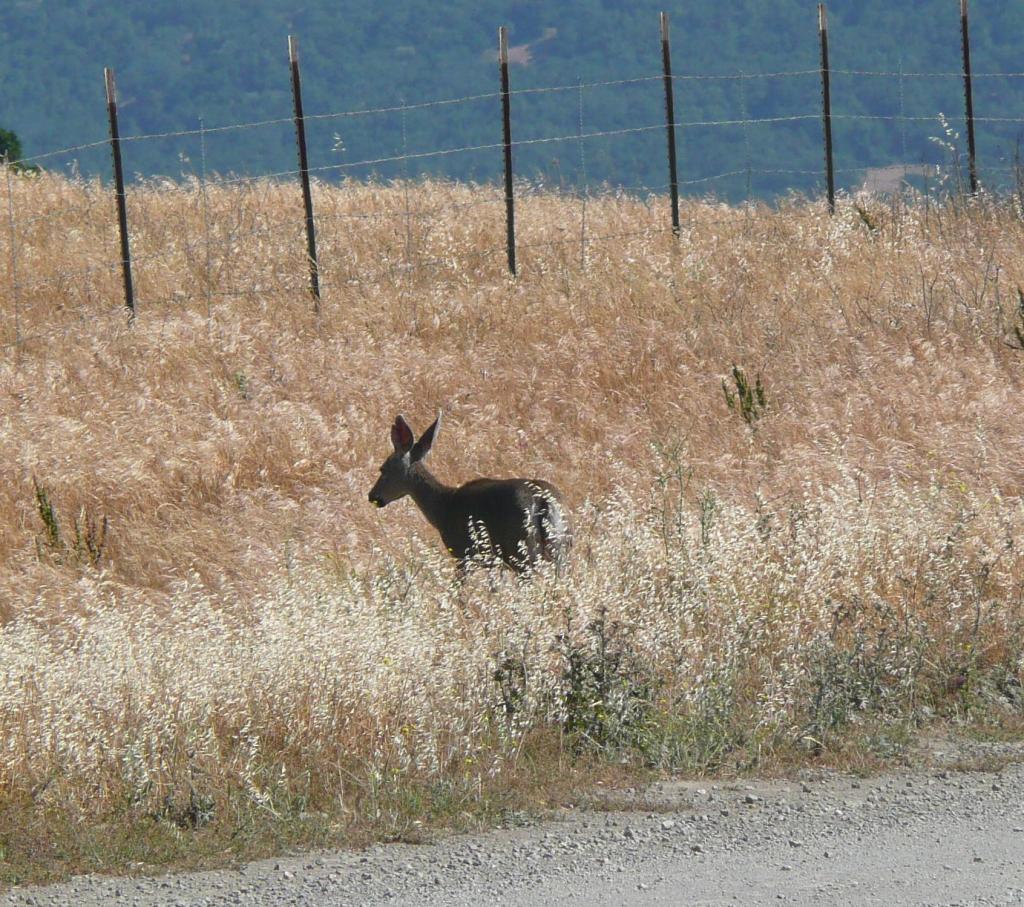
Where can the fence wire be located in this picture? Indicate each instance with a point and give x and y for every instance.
(214, 256)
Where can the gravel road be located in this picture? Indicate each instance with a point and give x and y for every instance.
(928, 836)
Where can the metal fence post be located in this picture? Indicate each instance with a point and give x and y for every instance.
(972, 159)
(670, 122)
(208, 274)
(826, 105)
(307, 195)
(122, 207)
(15, 286)
(506, 117)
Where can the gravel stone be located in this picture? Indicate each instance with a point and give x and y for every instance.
(914, 837)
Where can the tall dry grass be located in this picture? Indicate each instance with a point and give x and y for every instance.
(214, 615)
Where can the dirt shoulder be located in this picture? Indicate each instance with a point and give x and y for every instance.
(949, 831)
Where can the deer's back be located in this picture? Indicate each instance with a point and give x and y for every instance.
(525, 520)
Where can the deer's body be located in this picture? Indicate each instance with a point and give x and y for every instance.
(518, 521)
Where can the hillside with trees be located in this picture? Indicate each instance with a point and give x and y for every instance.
(181, 63)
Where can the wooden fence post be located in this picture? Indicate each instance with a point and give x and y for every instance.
(826, 105)
(506, 118)
(307, 195)
(122, 206)
(670, 122)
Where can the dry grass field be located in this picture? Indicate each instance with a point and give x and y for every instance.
(211, 644)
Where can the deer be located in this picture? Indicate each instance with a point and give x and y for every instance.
(516, 522)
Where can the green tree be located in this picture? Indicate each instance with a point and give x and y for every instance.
(227, 63)
(10, 145)
(10, 150)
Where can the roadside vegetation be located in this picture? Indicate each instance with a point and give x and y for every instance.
(791, 444)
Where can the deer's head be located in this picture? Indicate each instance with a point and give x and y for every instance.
(398, 471)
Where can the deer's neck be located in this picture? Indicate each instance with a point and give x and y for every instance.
(431, 495)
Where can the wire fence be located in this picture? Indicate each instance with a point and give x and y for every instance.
(255, 235)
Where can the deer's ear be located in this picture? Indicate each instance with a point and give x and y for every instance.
(424, 444)
(401, 435)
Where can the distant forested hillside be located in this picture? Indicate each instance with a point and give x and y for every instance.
(227, 64)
